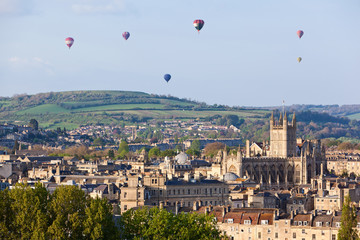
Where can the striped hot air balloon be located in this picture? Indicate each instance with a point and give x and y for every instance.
(126, 35)
(198, 24)
(69, 42)
(300, 33)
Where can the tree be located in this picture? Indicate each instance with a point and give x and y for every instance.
(123, 149)
(347, 229)
(154, 152)
(195, 145)
(99, 222)
(67, 211)
(6, 215)
(111, 154)
(29, 209)
(153, 223)
(99, 142)
(34, 124)
(211, 149)
(16, 146)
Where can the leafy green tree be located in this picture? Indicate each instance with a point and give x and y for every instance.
(152, 223)
(99, 142)
(347, 229)
(67, 211)
(6, 215)
(111, 154)
(123, 149)
(34, 124)
(168, 153)
(154, 152)
(99, 222)
(195, 145)
(193, 152)
(29, 208)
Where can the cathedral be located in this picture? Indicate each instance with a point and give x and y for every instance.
(285, 161)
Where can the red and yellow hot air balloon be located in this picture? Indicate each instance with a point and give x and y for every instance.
(300, 33)
(198, 24)
(69, 42)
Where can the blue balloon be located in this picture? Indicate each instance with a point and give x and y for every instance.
(167, 77)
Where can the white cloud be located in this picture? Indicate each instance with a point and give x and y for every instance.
(34, 63)
(99, 7)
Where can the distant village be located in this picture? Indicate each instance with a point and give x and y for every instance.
(284, 187)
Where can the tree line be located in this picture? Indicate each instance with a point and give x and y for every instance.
(69, 213)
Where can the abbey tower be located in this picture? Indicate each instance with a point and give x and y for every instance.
(282, 137)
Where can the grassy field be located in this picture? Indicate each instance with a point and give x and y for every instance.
(45, 108)
(355, 116)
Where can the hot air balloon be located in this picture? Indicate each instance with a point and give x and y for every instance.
(299, 59)
(167, 77)
(300, 33)
(198, 24)
(126, 35)
(69, 42)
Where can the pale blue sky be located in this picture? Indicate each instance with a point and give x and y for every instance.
(245, 55)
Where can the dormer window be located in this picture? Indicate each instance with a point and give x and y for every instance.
(295, 223)
(230, 220)
(305, 223)
(248, 222)
(337, 224)
(319, 224)
(264, 222)
(300, 223)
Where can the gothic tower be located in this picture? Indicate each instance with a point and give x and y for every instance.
(282, 137)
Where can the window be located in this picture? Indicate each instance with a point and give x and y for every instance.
(286, 231)
(327, 224)
(248, 222)
(160, 192)
(294, 235)
(322, 232)
(249, 230)
(125, 194)
(264, 222)
(179, 191)
(313, 236)
(189, 191)
(125, 207)
(139, 194)
(303, 231)
(259, 234)
(269, 230)
(230, 220)
(276, 235)
(299, 223)
(300, 202)
(295, 223)
(276, 224)
(337, 224)
(286, 222)
(169, 192)
(333, 237)
(305, 223)
(318, 224)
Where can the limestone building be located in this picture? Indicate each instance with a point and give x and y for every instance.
(286, 162)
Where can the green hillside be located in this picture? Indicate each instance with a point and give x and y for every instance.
(75, 108)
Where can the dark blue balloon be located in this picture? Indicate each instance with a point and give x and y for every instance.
(167, 77)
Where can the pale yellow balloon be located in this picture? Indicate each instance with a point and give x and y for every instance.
(299, 59)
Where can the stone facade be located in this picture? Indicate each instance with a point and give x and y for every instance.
(287, 163)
